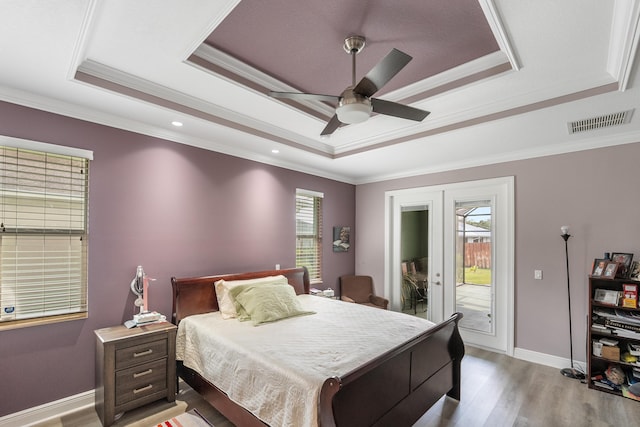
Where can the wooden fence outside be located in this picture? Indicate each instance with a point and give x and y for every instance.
(477, 254)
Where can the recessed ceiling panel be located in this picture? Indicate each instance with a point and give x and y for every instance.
(300, 42)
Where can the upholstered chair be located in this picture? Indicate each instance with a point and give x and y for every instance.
(360, 290)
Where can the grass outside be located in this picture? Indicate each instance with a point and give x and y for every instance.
(479, 276)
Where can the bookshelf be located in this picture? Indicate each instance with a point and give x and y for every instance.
(613, 328)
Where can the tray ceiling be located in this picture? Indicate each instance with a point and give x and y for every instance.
(502, 79)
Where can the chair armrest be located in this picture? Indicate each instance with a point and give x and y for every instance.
(379, 301)
(347, 299)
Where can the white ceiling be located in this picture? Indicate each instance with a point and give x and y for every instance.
(139, 65)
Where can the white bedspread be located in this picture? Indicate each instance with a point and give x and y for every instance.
(276, 370)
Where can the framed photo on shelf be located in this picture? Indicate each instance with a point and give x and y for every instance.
(625, 262)
(610, 270)
(634, 272)
(598, 267)
(606, 296)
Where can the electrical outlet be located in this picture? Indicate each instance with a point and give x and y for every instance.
(537, 274)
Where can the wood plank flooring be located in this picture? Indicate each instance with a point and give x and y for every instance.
(497, 390)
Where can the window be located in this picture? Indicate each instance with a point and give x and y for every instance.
(43, 234)
(309, 233)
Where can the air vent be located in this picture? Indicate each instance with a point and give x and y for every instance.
(605, 121)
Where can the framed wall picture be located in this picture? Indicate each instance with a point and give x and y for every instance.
(341, 238)
(598, 267)
(624, 259)
(610, 270)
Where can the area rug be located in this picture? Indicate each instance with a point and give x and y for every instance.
(188, 419)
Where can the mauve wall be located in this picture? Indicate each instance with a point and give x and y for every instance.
(594, 192)
(175, 210)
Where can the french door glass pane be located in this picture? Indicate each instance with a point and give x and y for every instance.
(474, 267)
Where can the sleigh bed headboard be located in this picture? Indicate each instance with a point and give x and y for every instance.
(197, 295)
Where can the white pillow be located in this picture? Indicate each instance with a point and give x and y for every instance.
(226, 303)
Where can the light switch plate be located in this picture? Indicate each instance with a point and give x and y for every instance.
(537, 274)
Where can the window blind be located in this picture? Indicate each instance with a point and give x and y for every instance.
(43, 234)
(309, 233)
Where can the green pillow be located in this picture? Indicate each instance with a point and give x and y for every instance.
(241, 313)
(267, 303)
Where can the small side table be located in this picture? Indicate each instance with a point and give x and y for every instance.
(134, 367)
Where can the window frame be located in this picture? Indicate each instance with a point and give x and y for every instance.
(26, 228)
(302, 258)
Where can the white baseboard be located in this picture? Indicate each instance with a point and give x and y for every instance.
(547, 359)
(56, 409)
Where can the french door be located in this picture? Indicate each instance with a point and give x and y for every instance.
(465, 255)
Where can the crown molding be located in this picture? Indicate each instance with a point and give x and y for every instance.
(125, 84)
(74, 111)
(211, 58)
(452, 79)
(623, 46)
(499, 32)
(547, 150)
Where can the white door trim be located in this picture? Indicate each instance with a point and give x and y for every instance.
(392, 246)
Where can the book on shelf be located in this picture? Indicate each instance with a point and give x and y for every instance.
(629, 295)
(608, 341)
(624, 333)
(622, 325)
(602, 385)
(628, 316)
(634, 349)
(601, 381)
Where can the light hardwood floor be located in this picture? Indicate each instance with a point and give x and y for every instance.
(497, 390)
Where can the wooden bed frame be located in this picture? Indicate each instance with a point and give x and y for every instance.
(394, 389)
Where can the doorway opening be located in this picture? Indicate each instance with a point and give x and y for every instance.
(414, 252)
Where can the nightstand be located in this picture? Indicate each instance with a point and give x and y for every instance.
(134, 367)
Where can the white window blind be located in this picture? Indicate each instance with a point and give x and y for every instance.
(309, 233)
(43, 234)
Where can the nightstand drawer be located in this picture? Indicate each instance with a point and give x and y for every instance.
(141, 353)
(141, 381)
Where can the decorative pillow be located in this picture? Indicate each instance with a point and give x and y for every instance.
(268, 303)
(226, 303)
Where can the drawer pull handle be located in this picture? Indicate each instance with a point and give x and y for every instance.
(143, 373)
(143, 353)
(141, 389)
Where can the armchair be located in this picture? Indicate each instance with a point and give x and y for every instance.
(360, 290)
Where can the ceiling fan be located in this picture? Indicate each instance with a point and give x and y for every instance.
(355, 104)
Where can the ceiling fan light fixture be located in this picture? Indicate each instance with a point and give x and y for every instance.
(353, 108)
(353, 113)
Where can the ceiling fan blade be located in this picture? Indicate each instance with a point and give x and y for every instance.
(305, 96)
(331, 126)
(382, 72)
(389, 108)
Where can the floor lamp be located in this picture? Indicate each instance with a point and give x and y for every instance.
(569, 372)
